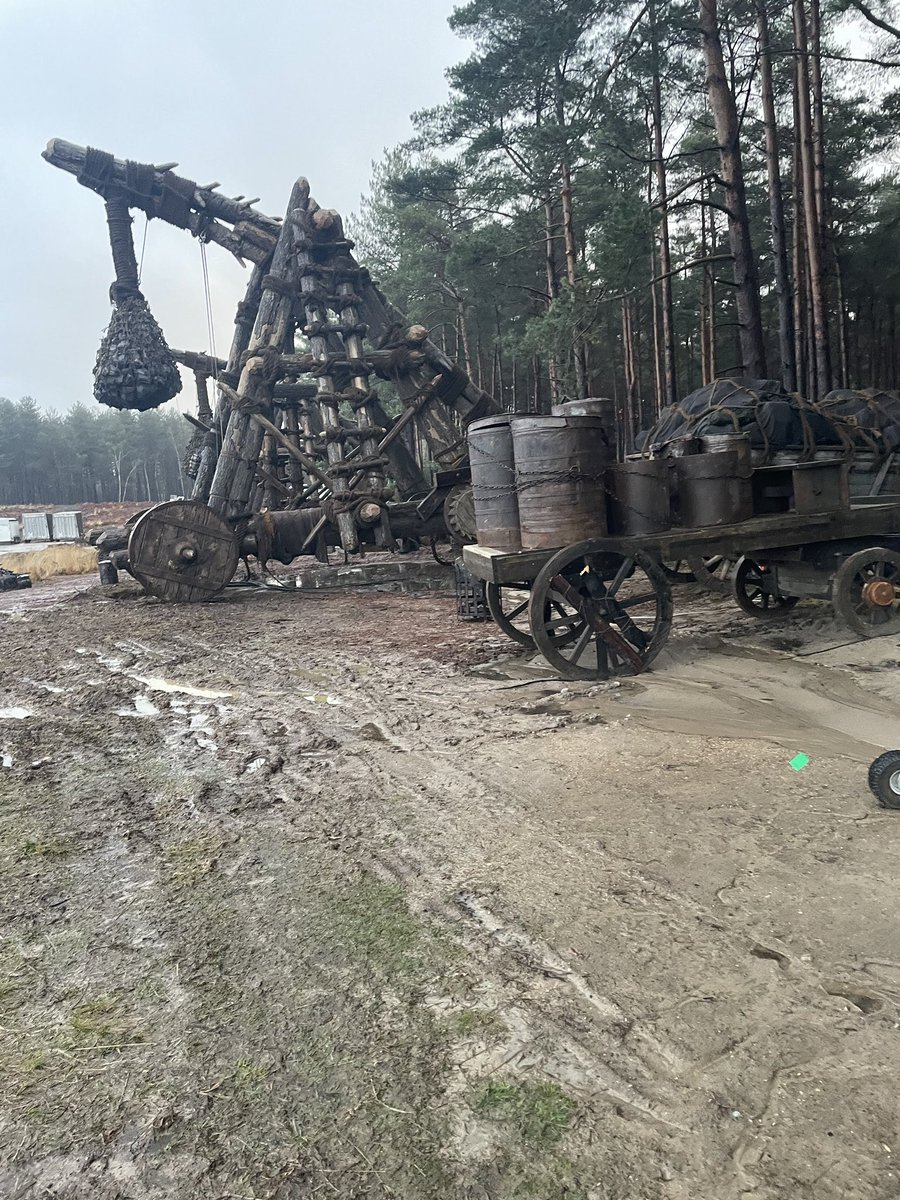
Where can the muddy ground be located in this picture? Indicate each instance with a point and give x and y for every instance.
(328, 895)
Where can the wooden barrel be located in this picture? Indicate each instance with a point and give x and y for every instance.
(639, 500)
(592, 406)
(560, 465)
(494, 483)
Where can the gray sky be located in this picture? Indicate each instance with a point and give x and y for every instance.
(228, 91)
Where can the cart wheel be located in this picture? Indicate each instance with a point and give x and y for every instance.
(448, 558)
(678, 570)
(713, 572)
(620, 607)
(865, 593)
(884, 779)
(508, 605)
(752, 592)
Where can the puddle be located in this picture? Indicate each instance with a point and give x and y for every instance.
(200, 728)
(6, 760)
(157, 684)
(16, 713)
(143, 707)
(46, 687)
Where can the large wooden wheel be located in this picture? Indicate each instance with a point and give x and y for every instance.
(621, 608)
(865, 593)
(755, 592)
(182, 551)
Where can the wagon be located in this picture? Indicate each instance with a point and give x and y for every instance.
(603, 607)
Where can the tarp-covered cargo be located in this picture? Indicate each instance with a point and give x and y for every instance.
(777, 420)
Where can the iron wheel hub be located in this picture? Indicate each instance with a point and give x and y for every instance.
(879, 593)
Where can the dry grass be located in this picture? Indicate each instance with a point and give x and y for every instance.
(54, 560)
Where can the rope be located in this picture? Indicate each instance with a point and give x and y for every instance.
(210, 323)
(143, 248)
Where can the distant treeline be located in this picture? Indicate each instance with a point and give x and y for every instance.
(89, 454)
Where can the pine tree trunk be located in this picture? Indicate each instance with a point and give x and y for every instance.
(552, 292)
(746, 280)
(570, 248)
(654, 306)
(798, 249)
(667, 310)
(843, 342)
(703, 322)
(820, 383)
(776, 206)
(713, 334)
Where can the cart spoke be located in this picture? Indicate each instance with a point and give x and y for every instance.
(633, 601)
(620, 576)
(579, 647)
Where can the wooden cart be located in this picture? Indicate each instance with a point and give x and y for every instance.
(604, 607)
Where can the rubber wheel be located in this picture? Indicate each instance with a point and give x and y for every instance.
(713, 572)
(508, 604)
(624, 606)
(751, 595)
(853, 582)
(884, 779)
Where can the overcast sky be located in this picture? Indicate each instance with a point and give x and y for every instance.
(251, 95)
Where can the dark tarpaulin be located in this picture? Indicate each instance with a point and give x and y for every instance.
(777, 420)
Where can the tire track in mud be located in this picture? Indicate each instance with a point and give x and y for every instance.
(409, 775)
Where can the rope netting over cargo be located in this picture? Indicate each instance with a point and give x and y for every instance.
(776, 420)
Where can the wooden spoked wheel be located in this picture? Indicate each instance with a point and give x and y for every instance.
(754, 591)
(678, 570)
(508, 604)
(865, 593)
(620, 606)
(712, 571)
(182, 551)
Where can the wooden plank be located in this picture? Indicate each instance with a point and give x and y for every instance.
(493, 566)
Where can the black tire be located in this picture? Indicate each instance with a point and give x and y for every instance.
(884, 779)
(852, 596)
(623, 606)
(751, 594)
(713, 572)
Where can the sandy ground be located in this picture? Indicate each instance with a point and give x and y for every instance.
(329, 895)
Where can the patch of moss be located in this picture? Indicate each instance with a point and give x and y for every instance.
(52, 847)
(540, 1112)
(247, 1076)
(190, 861)
(469, 1021)
(101, 1022)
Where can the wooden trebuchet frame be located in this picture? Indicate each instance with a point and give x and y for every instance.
(299, 449)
